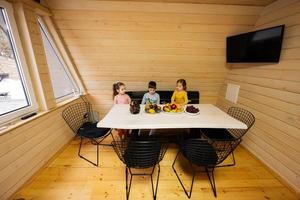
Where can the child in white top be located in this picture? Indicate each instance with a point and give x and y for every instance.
(151, 96)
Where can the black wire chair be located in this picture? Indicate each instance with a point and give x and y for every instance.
(204, 153)
(79, 118)
(140, 153)
(231, 134)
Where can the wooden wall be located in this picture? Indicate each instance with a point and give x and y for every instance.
(272, 93)
(27, 146)
(136, 42)
(26, 149)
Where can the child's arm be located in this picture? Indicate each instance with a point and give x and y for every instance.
(115, 100)
(173, 97)
(186, 100)
(129, 99)
(144, 99)
(158, 99)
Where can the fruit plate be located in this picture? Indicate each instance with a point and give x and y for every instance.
(173, 113)
(190, 113)
(156, 112)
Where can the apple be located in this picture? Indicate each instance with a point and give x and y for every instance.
(173, 106)
(166, 109)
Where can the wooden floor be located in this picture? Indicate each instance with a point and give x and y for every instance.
(69, 177)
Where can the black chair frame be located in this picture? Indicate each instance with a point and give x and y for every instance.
(223, 151)
(76, 115)
(208, 170)
(242, 115)
(129, 174)
(97, 144)
(140, 162)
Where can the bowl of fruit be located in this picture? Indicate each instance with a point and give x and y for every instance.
(172, 108)
(152, 108)
(192, 110)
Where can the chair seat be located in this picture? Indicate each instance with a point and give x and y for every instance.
(90, 130)
(217, 133)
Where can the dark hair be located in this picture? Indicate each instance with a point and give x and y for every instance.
(116, 87)
(152, 84)
(183, 83)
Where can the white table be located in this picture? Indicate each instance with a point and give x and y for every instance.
(210, 117)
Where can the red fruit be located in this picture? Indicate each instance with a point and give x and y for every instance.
(173, 106)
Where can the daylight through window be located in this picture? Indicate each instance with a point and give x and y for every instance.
(63, 83)
(16, 97)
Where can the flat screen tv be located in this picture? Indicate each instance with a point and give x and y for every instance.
(257, 46)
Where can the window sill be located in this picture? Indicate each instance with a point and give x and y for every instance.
(19, 123)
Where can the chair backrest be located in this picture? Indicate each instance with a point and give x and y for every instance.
(207, 152)
(76, 115)
(199, 151)
(141, 153)
(244, 116)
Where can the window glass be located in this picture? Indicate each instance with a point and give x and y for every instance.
(13, 94)
(62, 82)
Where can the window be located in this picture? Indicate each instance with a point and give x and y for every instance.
(63, 83)
(16, 93)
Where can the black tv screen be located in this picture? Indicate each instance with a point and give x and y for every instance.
(257, 46)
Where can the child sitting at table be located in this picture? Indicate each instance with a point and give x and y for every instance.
(120, 97)
(151, 96)
(179, 96)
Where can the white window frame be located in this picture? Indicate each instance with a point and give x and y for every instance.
(22, 67)
(45, 29)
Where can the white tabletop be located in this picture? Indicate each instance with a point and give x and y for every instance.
(210, 117)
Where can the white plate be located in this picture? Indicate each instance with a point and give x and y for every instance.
(193, 114)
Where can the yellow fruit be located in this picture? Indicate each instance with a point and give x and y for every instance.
(152, 111)
(179, 109)
(167, 109)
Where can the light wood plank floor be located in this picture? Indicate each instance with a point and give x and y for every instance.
(69, 177)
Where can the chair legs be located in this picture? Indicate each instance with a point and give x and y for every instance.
(81, 156)
(97, 143)
(229, 165)
(128, 186)
(129, 176)
(210, 174)
(188, 194)
(211, 178)
(154, 191)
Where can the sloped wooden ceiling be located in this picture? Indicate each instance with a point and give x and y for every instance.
(222, 2)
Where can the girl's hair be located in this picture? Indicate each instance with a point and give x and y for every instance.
(116, 87)
(152, 85)
(183, 83)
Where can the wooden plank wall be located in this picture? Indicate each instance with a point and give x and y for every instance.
(136, 42)
(26, 148)
(272, 93)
